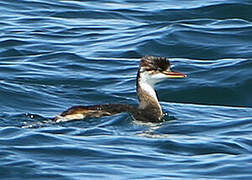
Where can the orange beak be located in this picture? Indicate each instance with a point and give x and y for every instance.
(173, 74)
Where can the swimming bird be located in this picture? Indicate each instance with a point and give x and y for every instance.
(151, 70)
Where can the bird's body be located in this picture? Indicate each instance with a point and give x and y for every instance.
(151, 70)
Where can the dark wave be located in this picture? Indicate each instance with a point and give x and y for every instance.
(56, 54)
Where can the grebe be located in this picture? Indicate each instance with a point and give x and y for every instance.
(151, 70)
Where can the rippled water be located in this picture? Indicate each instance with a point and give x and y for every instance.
(55, 54)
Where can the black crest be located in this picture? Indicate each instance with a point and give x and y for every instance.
(153, 63)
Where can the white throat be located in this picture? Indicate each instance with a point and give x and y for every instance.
(146, 92)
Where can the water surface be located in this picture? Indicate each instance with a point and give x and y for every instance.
(55, 54)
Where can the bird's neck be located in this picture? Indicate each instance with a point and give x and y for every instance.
(148, 100)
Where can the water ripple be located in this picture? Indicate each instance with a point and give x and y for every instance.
(55, 54)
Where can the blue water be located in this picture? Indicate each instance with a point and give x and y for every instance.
(55, 54)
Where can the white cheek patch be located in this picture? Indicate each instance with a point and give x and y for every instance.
(151, 77)
(158, 77)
